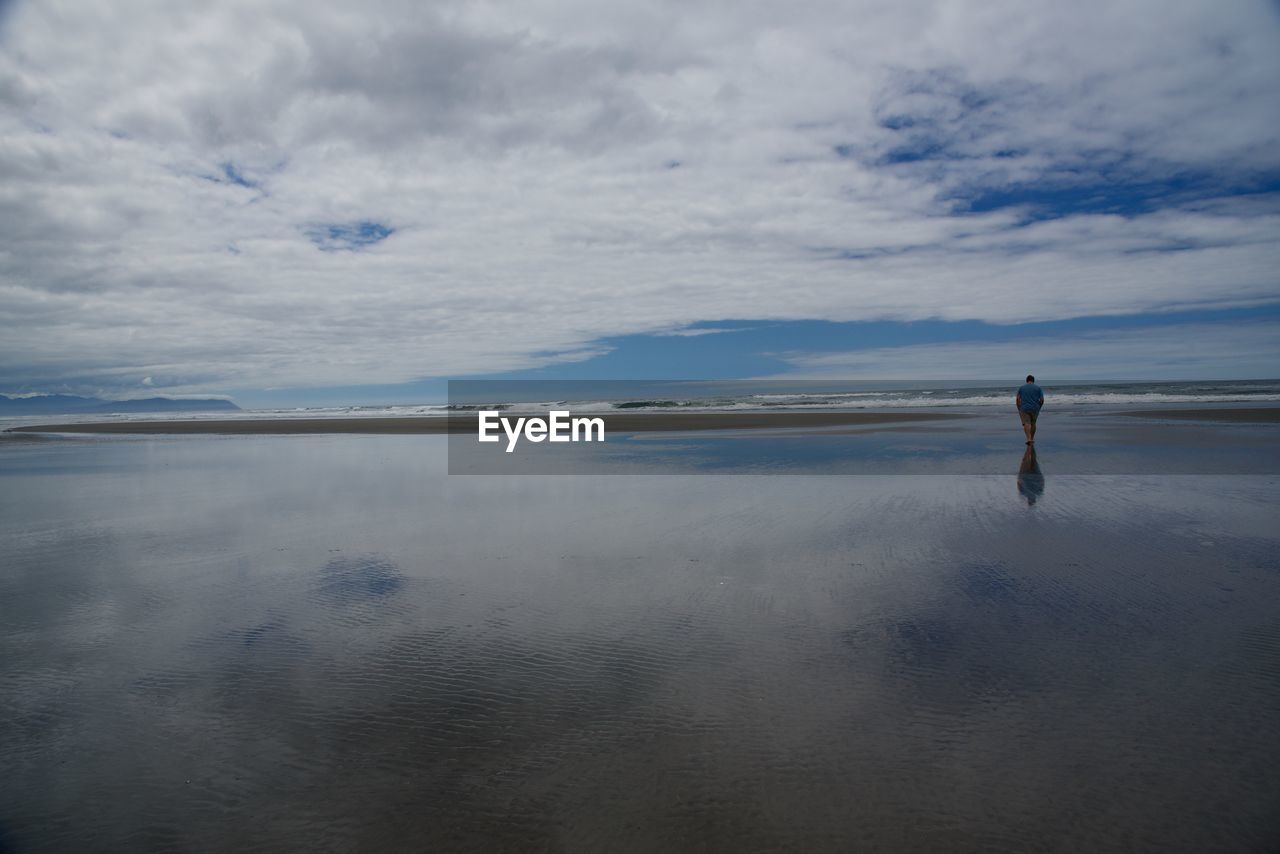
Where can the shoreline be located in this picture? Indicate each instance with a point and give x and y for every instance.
(418, 425)
(615, 422)
(1243, 415)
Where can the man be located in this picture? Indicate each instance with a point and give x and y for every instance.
(1030, 398)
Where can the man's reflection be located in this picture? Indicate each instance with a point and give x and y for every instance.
(1030, 479)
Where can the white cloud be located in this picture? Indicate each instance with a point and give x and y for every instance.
(556, 172)
(698, 333)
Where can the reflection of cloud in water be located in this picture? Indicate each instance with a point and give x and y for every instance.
(804, 664)
(965, 647)
(348, 580)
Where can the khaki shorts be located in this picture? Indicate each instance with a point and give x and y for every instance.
(1028, 417)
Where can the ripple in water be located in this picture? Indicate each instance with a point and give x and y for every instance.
(326, 644)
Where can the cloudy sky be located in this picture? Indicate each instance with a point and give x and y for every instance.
(296, 200)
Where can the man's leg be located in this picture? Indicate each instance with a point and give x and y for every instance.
(1026, 425)
(1031, 429)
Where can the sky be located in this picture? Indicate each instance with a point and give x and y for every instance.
(310, 203)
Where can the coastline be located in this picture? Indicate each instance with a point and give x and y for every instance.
(615, 422)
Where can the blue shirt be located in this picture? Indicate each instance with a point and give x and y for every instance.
(1031, 396)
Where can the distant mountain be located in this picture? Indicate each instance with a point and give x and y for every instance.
(48, 403)
(68, 404)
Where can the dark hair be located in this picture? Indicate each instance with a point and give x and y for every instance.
(1030, 378)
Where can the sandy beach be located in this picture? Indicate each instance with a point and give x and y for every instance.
(971, 645)
(614, 422)
(1242, 415)
(289, 628)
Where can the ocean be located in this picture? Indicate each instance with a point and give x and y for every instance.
(745, 395)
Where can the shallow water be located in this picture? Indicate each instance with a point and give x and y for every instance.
(972, 442)
(324, 642)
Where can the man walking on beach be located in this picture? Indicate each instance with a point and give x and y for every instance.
(1030, 398)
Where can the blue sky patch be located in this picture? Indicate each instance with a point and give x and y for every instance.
(737, 349)
(234, 176)
(746, 349)
(348, 237)
(1095, 194)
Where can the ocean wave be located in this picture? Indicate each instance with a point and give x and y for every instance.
(935, 398)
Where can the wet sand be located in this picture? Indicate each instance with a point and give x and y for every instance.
(1250, 415)
(634, 422)
(325, 643)
(614, 423)
(1084, 440)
